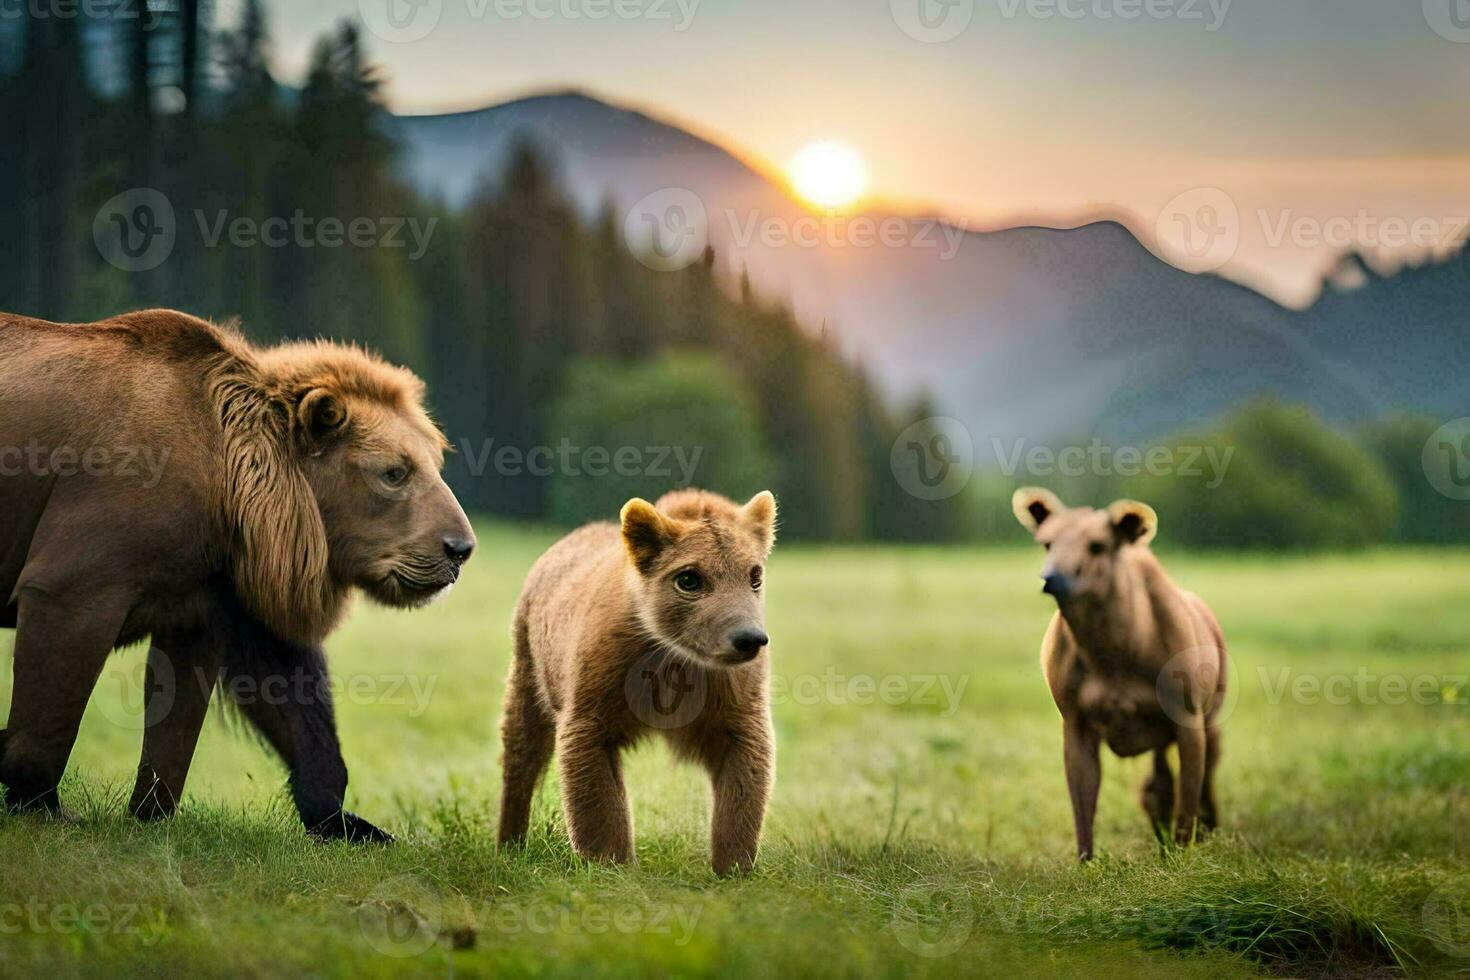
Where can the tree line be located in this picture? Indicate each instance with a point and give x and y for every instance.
(567, 374)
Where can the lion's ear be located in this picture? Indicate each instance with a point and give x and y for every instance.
(320, 416)
(646, 532)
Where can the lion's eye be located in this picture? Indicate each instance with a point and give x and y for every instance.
(756, 577)
(1096, 548)
(396, 476)
(688, 581)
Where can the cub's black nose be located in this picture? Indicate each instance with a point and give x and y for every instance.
(459, 549)
(748, 642)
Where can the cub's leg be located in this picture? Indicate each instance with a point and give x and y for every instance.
(596, 806)
(1192, 756)
(1209, 817)
(527, 735)
(283, 690)
(1080, 746)
(742, 766)
(1158, 795)
(183, 669)
(60, 647)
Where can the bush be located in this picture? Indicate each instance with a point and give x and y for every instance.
(1290, 483)
(1425, 516)
(684, 417)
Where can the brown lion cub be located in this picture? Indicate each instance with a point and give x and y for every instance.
(657, 625)
(1131, 659)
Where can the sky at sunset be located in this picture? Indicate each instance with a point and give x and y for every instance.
(1317, 119)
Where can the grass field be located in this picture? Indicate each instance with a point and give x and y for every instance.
(919, 825)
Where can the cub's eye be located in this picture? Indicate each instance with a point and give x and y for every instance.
(688, 581)
(1096, 548)
(756, 577)
(1047, 546)
(396, 476)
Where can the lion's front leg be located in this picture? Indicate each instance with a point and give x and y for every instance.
(182, 670)
(283, 690)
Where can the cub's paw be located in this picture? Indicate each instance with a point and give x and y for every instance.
(351, 828)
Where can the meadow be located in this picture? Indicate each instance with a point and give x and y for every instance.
(920, 823)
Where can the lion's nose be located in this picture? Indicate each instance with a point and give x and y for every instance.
(459, 549)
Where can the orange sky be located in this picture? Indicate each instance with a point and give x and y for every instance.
(1311, 116)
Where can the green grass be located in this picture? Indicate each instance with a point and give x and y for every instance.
(919, 833)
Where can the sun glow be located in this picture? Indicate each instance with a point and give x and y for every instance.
(829, 175)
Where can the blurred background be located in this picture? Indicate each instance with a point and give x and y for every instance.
(1230, 281)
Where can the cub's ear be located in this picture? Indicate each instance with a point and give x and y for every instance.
(1133, 522)
(1033, 505)
(759, 514)
(646, 532)
(320, 416)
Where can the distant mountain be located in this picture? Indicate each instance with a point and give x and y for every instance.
(1040, 333)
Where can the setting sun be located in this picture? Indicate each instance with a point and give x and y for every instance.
(829, 174)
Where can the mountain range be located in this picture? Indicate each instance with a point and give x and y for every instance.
(1038, 333)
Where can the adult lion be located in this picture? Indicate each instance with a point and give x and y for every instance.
(161, 477)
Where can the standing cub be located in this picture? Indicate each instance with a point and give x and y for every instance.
(1131, 659)
(657, 625)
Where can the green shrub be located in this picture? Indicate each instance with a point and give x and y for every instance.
(1425, 516)
(1290, 483)
(685, 418)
